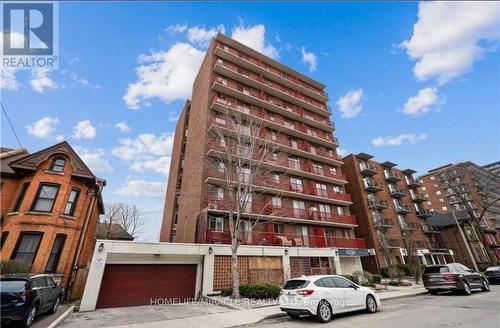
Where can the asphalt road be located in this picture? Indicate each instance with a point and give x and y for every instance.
(481, 309)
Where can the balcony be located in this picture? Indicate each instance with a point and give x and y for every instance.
(410, 226)
(423, 213)
(437, 247)
(270, 72)
(413, 183)
(393, 243)
(429, 229)
(397, 192)
(392, 176)
(269, 211)
(418, 197)
(254, 80)
(377, 204)
(373, 186)
(282, 239)
(258, 98)
(403, 209)
(383, 223)
(367, 169)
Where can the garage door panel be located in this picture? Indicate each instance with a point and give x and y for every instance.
(128, 285)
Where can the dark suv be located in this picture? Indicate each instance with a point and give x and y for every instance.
(24, 297)
(453, 277)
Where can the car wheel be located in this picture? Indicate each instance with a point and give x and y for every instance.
(55, 306)
(485, 287)
(293, 315)
(466, 290)
(371, 304)
(30, 316)
(324, 313)
(433, 292)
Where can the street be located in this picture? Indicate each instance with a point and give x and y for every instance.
(481, 309)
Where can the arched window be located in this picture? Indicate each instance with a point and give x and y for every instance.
(58, 165)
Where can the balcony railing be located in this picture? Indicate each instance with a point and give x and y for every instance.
(392, 176)
(384, 223)
(280, 75)
(418, 198)
(393, 243)
(373, 186)
(272, 102)
(397, 192)
(377, 204)
(410, 226)
(259, 209)
(413, 183)
(367, 169)
(429, 229)
(403, 209)
(272, 87)
(283, 239)
(423, 213)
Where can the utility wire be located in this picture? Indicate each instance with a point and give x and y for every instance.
(11, 126)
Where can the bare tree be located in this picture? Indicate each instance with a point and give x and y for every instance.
(468, 175)
(411, 248)
(243, 163)
(127, 216)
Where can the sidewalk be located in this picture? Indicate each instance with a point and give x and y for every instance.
(246, 317)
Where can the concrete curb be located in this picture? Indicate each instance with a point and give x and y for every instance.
(62, 317)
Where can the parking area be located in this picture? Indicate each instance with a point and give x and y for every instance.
(140, 314)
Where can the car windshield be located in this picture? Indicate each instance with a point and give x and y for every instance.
(436, 269)
(9, 286)
(295, 284)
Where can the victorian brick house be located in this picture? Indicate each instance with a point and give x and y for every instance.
(50, 204)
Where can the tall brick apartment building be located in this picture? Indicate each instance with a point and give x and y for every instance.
(476, 184)
(307, 204)
(386, 201)
(50, 206)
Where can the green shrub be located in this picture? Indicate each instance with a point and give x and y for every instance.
(351, 278)
(384, 272)
(368, 276)
(13, 266)
(404, 269)
(255, 291)
(376, 279)
(394, 283)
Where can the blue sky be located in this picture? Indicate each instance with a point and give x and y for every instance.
(403, 85)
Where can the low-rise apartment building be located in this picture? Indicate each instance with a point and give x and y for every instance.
(387, 201)
(50, 206)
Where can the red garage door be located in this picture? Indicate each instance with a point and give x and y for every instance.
(137, 284)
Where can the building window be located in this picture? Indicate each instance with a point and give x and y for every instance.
(220, 193)
(20, 198)
(27, 247)
(296, 184)
(438, 192)
(58, 165)
(217, 224)
(45, 198)
(71, 204)
(329, 232)
(276, 201)
(55, 253)
(444, 208)
(5, 234)
(278, 228)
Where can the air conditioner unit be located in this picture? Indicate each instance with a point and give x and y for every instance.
(212, 206)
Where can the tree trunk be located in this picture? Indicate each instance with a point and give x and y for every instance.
(234, 269)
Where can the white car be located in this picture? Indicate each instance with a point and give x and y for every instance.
(324, 296)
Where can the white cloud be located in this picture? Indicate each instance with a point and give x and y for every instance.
(123, 127)
(8, 79)
(167, 75)
(422, 102)
(43, 128)
(84, 130)
(254, 37)
(160, 165)
(202, 36)
(145, 146)
(60, 137)
(177, 28)
(142, 188)
(75, 77)
(342, 152)
(310, 59)
(350, 104)
(450, 36)
(398, 140)
(95, 159)
(40, 80)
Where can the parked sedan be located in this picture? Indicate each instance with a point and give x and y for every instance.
(453, 277)
(23, 298)
(324, 296)
(493, 274)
